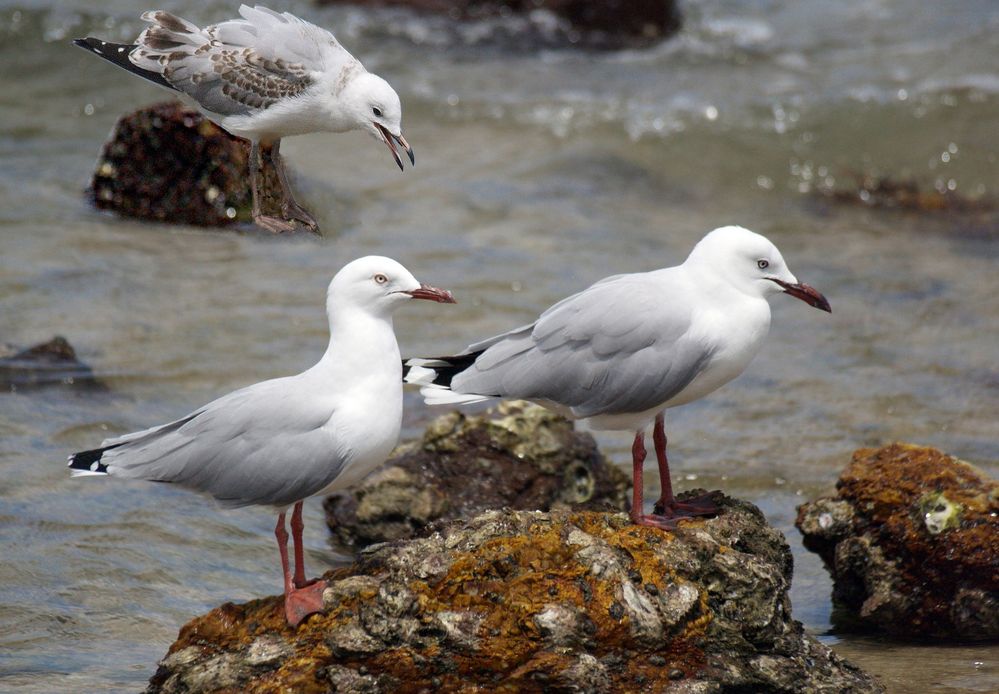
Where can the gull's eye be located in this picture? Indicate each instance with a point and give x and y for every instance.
(762, 264)
(380, 278)
(377, 111)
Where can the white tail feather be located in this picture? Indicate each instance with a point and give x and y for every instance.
(439, 395)
(86, 473)
(420, 375)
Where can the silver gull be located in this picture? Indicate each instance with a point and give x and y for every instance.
(281, 441)
(621, 352)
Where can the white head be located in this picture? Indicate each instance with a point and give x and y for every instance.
(372, 105)
(378, 285)
(751, 264)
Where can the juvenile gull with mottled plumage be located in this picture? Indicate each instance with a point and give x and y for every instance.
(266, 76)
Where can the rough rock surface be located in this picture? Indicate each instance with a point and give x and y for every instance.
(517, 455)
(912, 543)
(48, 363)
(596, 23)
(526, 601)
(167, 162)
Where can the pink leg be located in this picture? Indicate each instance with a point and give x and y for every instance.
(299, 602)
(637, 504)
(668, 506)
(259, 153)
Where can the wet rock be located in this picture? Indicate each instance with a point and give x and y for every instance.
(912, 542)
(596, 23)
(517, 455)
(527, 601)
(167, 162)
(45, 364)
(904, 194)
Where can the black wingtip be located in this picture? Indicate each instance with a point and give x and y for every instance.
(82, 43)
(90, 461)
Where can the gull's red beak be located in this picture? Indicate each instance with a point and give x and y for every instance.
(810, 295)
(391, 140)
(425, 291)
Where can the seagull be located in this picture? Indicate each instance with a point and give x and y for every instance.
(278, 442)
(264, 77)
(621, 352)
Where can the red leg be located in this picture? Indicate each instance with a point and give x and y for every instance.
(638, 454)
(659, 439)
(299, 602)
(296, 535)
(668, 506)
(282, 539)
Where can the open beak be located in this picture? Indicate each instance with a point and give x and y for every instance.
(810, 295)
(391, 141)
(425, 291)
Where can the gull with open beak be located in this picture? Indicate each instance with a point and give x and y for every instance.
(264, 77)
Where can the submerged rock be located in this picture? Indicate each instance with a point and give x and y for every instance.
(169, 163)
(47, 363)
(912, 542)
(526, 601)
(517, 455)
(596, 23)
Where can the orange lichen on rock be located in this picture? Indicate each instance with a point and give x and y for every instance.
(912, 540)
(526, 601)
(516, 455)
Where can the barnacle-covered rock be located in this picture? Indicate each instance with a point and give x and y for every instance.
(912, 542)
(527, 601)
(516, 455)
(168, 163)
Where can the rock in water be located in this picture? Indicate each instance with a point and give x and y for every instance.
(169, 163)
(595, 23)
(517, 455)
(912, 542)
(45, 364)
(526, 601)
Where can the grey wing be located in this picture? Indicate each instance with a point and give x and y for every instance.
(242, 65)
(619, 346)
(237, 448)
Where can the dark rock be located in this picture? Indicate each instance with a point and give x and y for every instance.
(169, 163)
(517, 455)
(597, 23)
(912, 543)
(45, 364)
(423, 615)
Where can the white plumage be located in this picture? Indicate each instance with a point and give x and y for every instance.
(281, 441)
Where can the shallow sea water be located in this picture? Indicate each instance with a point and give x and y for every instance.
(538, 171)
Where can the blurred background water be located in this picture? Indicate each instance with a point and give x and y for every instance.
(539, 171)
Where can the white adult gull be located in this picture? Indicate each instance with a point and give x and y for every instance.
(281, 441)
(264, 77)
(621, 352)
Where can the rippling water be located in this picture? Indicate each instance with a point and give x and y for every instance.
(539, 171)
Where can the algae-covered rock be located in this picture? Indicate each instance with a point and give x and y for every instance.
(912, 543)
(517, 455)
(45, 364)
(169, 163)
(526, 601)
